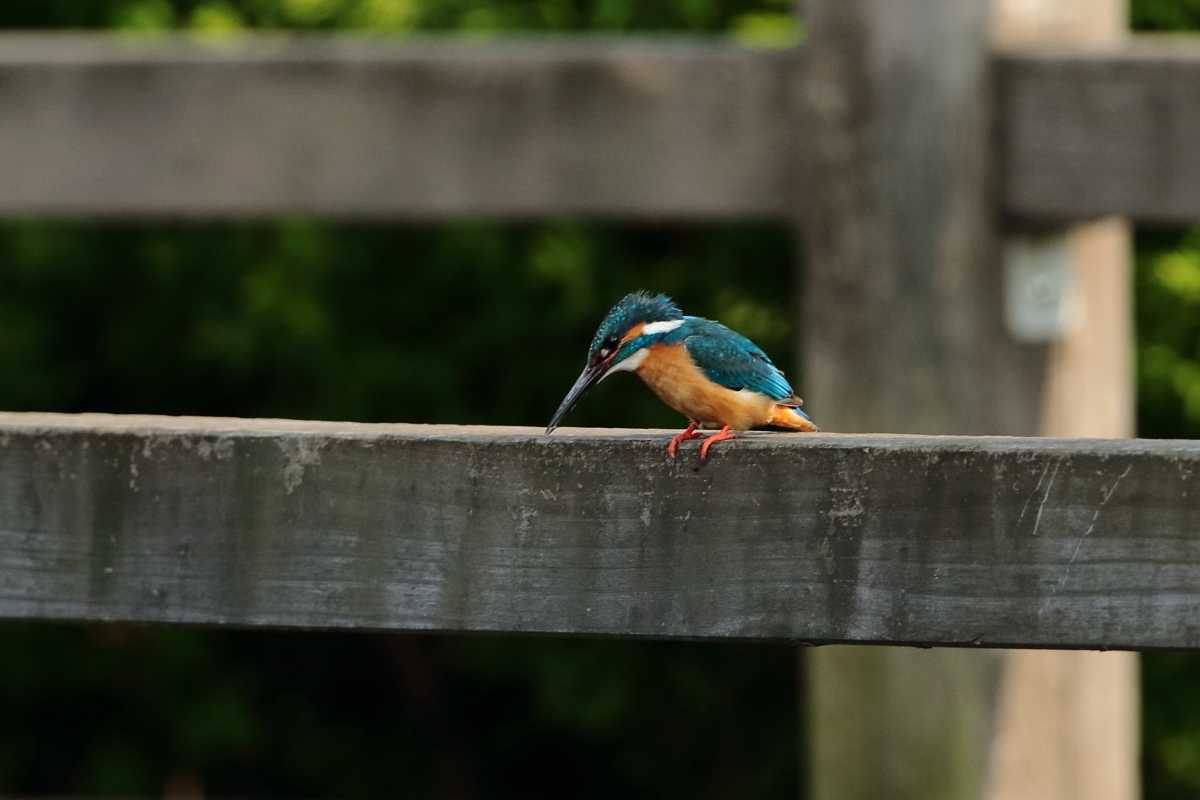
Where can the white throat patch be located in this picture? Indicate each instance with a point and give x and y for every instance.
(661, 327)
(631, 363)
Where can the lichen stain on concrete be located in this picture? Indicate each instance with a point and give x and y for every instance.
(845, 518)
(523, 516)
(1184, 469)
(852, 506)
(133, 470)
(300, 452)
(220, 448)
(867, 465)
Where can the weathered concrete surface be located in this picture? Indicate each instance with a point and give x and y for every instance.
(823, 538)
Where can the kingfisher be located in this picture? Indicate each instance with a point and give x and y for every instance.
(697, 366)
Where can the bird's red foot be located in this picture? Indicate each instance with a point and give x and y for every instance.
(690, 433)
(719, 436)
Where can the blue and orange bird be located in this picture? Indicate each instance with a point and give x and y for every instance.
(698, 367)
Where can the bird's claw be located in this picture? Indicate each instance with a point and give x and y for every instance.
(719, 436)
(690, 433)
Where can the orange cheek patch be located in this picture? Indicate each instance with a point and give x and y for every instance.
(633, 332)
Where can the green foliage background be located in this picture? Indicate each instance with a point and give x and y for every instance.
(462, 322)
(1168, 332)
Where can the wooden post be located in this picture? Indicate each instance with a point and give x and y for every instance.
(1068, 721)
(903, 322)
(903, 332)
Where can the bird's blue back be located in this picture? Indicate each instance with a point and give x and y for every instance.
(728, 358)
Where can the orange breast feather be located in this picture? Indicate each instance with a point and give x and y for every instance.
(672, 375)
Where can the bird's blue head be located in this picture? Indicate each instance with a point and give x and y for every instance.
(618, 336)
(620, 342)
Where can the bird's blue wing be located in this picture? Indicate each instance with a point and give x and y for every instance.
(733, 361)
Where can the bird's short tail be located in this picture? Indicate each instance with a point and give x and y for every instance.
(792, 417)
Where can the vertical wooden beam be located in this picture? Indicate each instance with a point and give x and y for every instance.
(1067, 727)
(1069, 722)
(888, 722)
(1089, 388)
(903, 326)
(903, 331)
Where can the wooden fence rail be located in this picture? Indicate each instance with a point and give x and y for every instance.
(1087, 134)
(989, 541)
(106, 126)
(363, 128)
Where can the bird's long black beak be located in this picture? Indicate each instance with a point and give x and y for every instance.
(590, 376)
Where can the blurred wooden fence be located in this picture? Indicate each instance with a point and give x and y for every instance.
(680, 128)
(910, 154)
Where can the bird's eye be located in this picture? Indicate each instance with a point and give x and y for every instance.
(607, 347)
